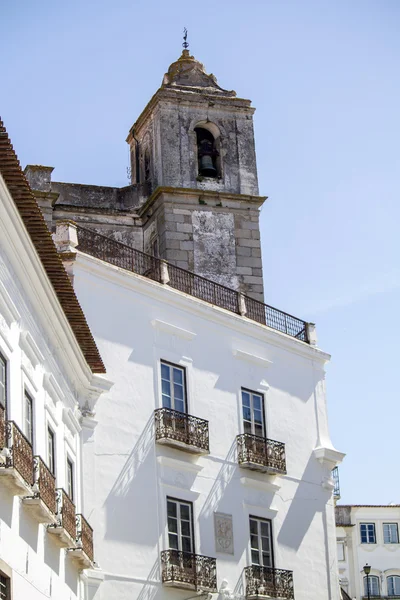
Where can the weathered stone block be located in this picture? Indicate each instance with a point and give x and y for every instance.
(245, 242)
(241, 233)
(250, 225)
(184, 227)
(240, 251)
(186, 245)
(256, 252)
(177, 255)
(177, 236)
(244, 271)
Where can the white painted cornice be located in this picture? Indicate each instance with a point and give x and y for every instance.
(328, 457)
(23, 257)
(167, 295)
(178, 465)
(71, 421)
(51, 386)
(173, 329)
(251, 358)
(269, 484)
(7, 306)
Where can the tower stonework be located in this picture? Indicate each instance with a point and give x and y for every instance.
(193, 198)
(206, 224)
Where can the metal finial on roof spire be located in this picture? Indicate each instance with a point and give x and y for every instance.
(185, 42)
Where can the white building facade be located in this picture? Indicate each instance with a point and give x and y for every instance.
(46, 377)
(369, 535)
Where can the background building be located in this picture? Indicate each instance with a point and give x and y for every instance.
(369, 535)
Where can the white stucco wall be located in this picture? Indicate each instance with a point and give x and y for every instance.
(384, 559)
(38, 360)
(136, 323)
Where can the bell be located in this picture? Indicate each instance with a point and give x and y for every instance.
(207, 168)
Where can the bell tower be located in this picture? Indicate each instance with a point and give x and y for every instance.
(193, 146)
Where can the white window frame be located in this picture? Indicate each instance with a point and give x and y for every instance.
(372, 579)
(390, 525)
(51, 460)
(253, 393)
(341, 554)
(3, 381)
(29, 420)
(259, 521)
(366, 524)
(396, 585)
(179, 503)
(171, 368)
(69, 461)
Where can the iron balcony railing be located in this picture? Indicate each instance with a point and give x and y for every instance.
(19, 453)
(84, 536)
(261, 452)
(181, 427)
(2, 427)
(45, 484)
(65, 513)
(128, 258)
(268, 581)
(185, 569)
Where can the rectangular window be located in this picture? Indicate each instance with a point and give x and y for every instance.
(5, 593)
(180, 525)
(253, 413)
(51, 450)
(367, 532)
(261, 542)
(29, 417)
(70, 479)
(340, 551)
(372, 582)
(173, 387)
(3, 381)
(390, 533)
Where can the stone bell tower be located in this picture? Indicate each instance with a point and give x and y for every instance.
(193, 145)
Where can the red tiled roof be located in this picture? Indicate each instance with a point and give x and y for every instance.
(35, 224)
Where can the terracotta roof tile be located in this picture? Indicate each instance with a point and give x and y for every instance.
(35, 224)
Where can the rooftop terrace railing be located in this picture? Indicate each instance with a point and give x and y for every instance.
(126, 257)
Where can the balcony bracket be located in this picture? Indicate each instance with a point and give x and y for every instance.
(14, 481)
(80, 558)
(39, 510)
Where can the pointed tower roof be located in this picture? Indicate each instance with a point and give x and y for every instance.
(188, 74)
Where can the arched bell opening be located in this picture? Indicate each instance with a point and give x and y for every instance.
(208, 157)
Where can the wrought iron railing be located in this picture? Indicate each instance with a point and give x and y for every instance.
(181, 427)
(2, 427)
(336, 487)
(267, 581)
(65, 513)
(159, 270)
(196, 571)
(20, 454)
(84, 536)
(46, 484)
(261, 451)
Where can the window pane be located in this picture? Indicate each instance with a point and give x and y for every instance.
(258, 416)
(264, 528)
(178, 376)
(266, 558)
(393, 584)
(171, 509)
(172, 525)
(173, 541)
(185, 528)
(340, 550)
(254, 541)
(257, 402)
(178, 392)
(246, 413)
(185, 512)
(253, 526)
(186, 544)
(179, 405)
(245, 398)
(255, 558)
(165, 374)
(165, 387)
(2, 381)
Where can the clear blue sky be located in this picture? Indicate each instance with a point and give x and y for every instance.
(324, 77)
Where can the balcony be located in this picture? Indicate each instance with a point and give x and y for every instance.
(177, 429)
(83, 552)
(65, 525)
(188, 571)
(268, 582)
(261, 454)
(16, 458)
(42, 503)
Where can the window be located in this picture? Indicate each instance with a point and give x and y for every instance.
(367, 531)
(70, 479)
(253, 413)
(173, 387)
(373, 581)
(340, 550)
(51, 450)
(154, 247)
(261, 542)
(390, 533)
(180, 525)
(208, 155)
(393, 585)
(29, 417)
(3, 381)
(4, 587)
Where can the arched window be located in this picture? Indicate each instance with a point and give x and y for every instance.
(373, 585)
(393, 585)
(207, 153)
